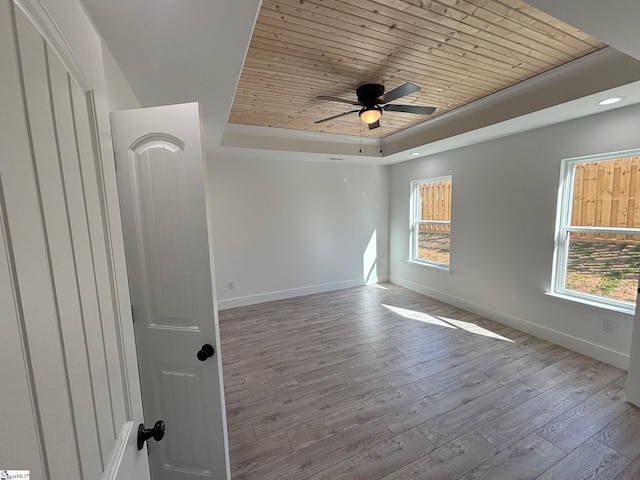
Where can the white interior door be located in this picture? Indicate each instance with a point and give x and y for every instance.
(162, 183)
(70, 398)
(632, 388)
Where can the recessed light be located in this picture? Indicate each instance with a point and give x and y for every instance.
(415, 154)
(611, 101)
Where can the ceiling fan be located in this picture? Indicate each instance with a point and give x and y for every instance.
(374, 101)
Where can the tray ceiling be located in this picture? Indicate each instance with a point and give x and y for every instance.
(457, 51)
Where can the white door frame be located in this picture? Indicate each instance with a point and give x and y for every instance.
(88, 72)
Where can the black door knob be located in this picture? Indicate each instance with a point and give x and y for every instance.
(144, 434)
(205, 352)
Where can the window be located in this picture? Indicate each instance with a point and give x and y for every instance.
(431, 221)
(597, 251)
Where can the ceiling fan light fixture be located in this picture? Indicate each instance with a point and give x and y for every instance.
(372, 100)
(370, 115)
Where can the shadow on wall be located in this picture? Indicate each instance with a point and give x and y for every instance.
(370, 261)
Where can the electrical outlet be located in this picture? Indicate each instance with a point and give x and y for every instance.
(608, 326)
(231, 285)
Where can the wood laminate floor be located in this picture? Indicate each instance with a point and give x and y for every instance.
(380, 382)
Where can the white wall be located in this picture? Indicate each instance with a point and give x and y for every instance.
(120, 96)
(288, 228)
(503, 218)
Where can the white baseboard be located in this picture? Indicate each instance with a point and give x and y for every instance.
(612, 357)
(293, 292)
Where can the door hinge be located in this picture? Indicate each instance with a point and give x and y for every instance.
(133, 318)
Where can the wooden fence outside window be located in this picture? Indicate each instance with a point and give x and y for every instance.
(435, 205)
(605, 194)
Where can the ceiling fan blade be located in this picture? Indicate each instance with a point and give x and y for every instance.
(398, 92)
(335, 116)
(375, 124)
(410, 109)
(336, 99)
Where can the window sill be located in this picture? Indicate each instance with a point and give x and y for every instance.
(589, 303)
(436, 266)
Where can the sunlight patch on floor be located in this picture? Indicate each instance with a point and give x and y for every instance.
(446, 322)
(420, 316)
(475, 328)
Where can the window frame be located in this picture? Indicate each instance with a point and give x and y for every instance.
(564, 228)
(415, 206)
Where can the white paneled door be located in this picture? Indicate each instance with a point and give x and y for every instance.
(162, 183)
(70, 404)
(632, 388)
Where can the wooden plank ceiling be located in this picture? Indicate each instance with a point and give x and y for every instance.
(457, 51)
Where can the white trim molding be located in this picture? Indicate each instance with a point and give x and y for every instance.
(39, 15)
